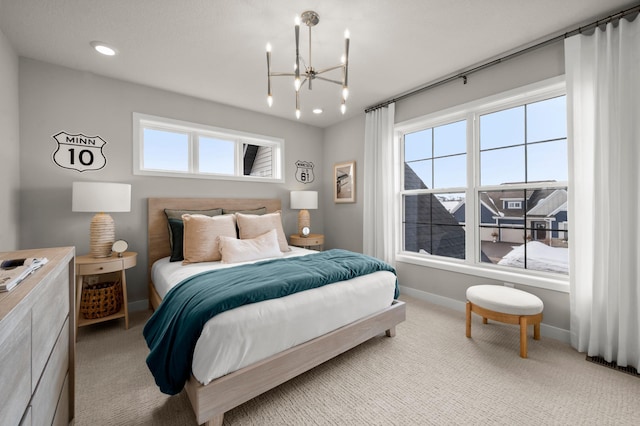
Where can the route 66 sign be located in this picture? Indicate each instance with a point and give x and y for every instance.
(79, 152)
(304, 171)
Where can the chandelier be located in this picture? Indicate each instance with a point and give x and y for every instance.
(308, 73)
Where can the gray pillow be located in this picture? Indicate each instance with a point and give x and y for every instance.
(258, 211)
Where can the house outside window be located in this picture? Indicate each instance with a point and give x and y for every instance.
(167, 147)
(485, 185)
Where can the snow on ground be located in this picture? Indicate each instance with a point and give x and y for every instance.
(540, 257)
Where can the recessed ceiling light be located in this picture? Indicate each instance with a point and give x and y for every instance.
(103, 48)
(317, 111)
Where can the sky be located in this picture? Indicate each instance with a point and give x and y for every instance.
(525, 143)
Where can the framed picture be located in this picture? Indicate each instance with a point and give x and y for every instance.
(344, 177)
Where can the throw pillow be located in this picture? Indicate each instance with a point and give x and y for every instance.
(262, 247)
(251, 226)
(201, 236)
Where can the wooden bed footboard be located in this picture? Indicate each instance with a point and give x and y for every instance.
(210, 402)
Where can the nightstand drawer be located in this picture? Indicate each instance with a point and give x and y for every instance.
(98, 268)
(313, 241)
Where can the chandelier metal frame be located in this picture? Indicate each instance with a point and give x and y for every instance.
(310, 19)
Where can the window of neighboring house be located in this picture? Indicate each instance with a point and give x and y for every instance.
(505, 159)
(166, 147)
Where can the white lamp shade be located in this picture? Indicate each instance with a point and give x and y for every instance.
(307, 200)
(101, 197)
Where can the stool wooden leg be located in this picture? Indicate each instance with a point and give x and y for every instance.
(536, 331)
(523, 337)
(468, 319)
(485, 320)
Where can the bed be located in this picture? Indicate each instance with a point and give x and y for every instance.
(214, 392)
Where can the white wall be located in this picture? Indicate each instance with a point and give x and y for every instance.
(55, 99)
(9, 145)
(349, 136)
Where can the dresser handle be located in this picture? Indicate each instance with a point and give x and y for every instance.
(100, 268)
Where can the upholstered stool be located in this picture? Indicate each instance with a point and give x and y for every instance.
(508, 305)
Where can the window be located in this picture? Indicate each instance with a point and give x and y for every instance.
(166, 147)
(434, 182)
(485, 185)
(512, 205)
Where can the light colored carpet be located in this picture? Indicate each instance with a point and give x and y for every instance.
(429, 374)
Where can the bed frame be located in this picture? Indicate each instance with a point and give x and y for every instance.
(210, 402)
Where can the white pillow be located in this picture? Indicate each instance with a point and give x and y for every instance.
(200, 241)
(251, 226)
(264, 246)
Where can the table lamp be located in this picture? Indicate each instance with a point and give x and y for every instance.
(303, 201)
(100, 198)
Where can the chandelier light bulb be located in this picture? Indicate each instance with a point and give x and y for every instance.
(296, 84)
(296, 21)
(298, 114)
(269, 100)
(347, 34)
(343, 108)
(268, 47)
(345, 93)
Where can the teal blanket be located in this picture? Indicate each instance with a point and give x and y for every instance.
(173, 330)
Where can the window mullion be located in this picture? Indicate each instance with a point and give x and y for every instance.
(471, 218)
(239, 168)
(194, 152)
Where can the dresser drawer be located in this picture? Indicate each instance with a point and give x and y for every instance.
(15, 361)
(26, 419)
(62, 411)
(49, 313)
(45, 398)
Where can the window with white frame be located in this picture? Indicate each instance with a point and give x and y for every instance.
(486, 184)
(512, 204)
(167, 147)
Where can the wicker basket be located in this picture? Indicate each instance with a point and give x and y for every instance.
(101, 300)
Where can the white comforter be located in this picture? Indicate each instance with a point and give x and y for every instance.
(250, 333)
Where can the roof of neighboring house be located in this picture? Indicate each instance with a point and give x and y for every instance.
(538, 202)
(550, 205)
(429, 226)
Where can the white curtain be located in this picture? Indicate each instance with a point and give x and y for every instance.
(603, 98)
(379, 184)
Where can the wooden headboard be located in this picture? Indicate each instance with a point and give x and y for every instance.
(157, 227)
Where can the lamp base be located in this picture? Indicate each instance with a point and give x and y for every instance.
(102, 235)
(304, 219)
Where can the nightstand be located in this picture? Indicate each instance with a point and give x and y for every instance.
(313, 241)
(115, 266)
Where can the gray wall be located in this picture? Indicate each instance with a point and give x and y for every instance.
(344, 226)
(10, 144)
(343, 142)
(54, 99)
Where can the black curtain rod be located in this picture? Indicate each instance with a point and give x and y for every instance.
(463, 74)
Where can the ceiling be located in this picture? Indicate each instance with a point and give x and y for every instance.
(215, 49)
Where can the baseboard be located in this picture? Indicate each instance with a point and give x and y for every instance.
(457, 305)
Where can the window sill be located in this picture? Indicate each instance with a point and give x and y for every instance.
(535, 279)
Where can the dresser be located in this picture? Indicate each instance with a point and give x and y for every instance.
(37, 348)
